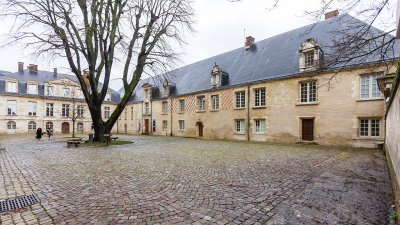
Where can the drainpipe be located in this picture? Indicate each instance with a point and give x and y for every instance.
(248, 113)
(170, 105)
(151, 116)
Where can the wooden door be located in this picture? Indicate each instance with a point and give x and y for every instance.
(65, 128)
(146, 126)
(200, 129)
(307, 129)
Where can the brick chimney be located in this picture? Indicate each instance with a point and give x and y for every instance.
(20, 67)
(249, 42)
(331, 14)
(33, 68)
(55, 72)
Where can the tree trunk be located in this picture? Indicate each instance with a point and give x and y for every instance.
(73, 128)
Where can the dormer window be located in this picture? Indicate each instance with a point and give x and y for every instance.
(165, 88)
(311, 55)
(12, 86)
(66, 92)
(147, 88)
(108, 96)
(218, 77)
(49, 90)
(32, 89)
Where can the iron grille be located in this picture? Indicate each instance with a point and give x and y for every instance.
(18, 203)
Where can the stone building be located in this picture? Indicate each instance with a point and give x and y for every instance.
(276, 90)
(31, 98)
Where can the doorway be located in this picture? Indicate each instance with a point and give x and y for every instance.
(126, 128)
(307, 129)
(65, 128)
(200, 127)
(146, 127)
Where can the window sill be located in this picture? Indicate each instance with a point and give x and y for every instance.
(306, 103)
(369, 138)
(181, 112)
(214, 110)
(237, 133)
(181, 130)
(258, 133)
(32, 115)
(259, 107)
(11, 115)
(200, 111)
(369, 99)
(239, 108)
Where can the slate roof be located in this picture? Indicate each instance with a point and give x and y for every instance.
(41, 77)
(272, 58)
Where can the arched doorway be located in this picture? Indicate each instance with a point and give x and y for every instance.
(200, 128)
(65, 128)
(11, 127)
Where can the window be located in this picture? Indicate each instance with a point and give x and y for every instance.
(154, 125)
(31, 126)
(131, 113)
(369, 87)
(32, 89)
(12, 86)
(49, 125)
(49, 90)
(201, 103)
(308, 91)
(80, 111)
(309, 59)
(260, 125)
(49, 109)
(164, 125)
(32, 107)
(106, 112)
(164, 107)
(11, 107)
(240, 99)
(66, 92)
(126, 113)
(182, 105)
(65, 110)
(79, 127)
(214, 102)
(181, 125)
(108, 97)
(146, 108)
(11, 125)
(239, 126)
(369, 127)
(259, 99)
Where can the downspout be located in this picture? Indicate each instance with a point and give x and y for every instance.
(248, 113)
(170, 105)
(151, 116)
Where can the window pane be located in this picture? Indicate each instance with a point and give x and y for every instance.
(260, 97)
(375, 128)
(375, 89)
(309, 59)
(365, 87)
(364, 128)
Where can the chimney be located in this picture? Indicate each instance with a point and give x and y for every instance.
(55, 72)
(331, 14)
(33, 68)
(20, 67)
(249, 42)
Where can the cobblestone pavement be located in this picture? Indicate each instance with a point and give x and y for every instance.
(166, 180)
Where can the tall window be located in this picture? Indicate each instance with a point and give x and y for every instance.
(32, 89)
(31, 126)
(11, 107)
(214, 102)
(66, 92)
(49, 109)
(309, 59)
(65, 110)
(32, 107)
(12, 86)
(164, 107)
(182, 105)
(164, 125)
(49, 90)
(146, 108)
(11, 125)
(106, 112)
(201, 103)
(240, 98)
(369, 127)
(79, 127)
(80, 111)
(49, 125)
(131, 113)
(369, 87)
(181, 125)
(259, 97)
(308, 91)
(239, 126)
(260, 125)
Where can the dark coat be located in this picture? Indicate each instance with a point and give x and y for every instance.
(39, 133)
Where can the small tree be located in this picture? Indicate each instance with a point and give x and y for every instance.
(95, 35)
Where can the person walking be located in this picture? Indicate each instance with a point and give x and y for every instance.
(39, 133)
(49, 132)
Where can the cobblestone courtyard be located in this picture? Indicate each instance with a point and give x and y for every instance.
(165, 180)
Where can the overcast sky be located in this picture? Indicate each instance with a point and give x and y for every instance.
(220, 27)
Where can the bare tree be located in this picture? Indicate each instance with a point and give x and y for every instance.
(96, 35)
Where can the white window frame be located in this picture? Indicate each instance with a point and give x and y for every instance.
(31, 126)
(311, 91)
(33, 91)
(214, 102)
(240, 126)
(240, 100)
(107, 111)
(65, 110)
(49, 109)
(80, 111)
(32, 108)
(66, 92)
(201, 103)
(182, 105)
(49, 125)
(309, 58)
(146, 108)
(371, 124)
(11, 107)
(50, 90)
(165, 125)
(13, 88)
(164, 107)
(260, 126)
(370, 85)
(181, 125)
(259, 97)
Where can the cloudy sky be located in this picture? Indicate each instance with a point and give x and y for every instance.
(220, 27)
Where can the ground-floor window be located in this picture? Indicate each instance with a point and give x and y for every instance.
(31, 126)
(49, 125)
(79, 127)
(154, 125)
(181, 125)
(164, 124)
(11, 125)
(260, 125)
(369, 127)
(239, 126)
